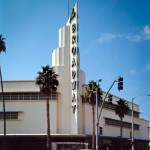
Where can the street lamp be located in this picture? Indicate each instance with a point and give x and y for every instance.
(133, 118)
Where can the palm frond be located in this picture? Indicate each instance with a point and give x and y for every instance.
(90, 92)
(121, 108)
(47, 80)
(2, 44)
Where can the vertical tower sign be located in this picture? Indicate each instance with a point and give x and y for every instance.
(74, 52)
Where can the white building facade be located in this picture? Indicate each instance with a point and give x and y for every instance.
(70, 118)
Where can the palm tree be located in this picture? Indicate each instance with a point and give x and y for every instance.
(2, 44)
(90, 97)
(121, 109)
(3, 49)
(48, 83)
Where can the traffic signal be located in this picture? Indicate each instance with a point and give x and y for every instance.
(110, 98)
(130, 134)
(100, 130)
(120, 83)
(99, 94)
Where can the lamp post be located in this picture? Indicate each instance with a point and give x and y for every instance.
(133, 117)
(97, 116)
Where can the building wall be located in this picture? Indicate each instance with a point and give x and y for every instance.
(32, 118)
(32, 113)
(114, 131)
(63, 107)
(20, 86)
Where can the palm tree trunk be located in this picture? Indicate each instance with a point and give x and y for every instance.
(4, 113)
(120, 133)
(93, 136)
(48, 123)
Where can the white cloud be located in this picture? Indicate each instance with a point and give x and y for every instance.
(133, 37)
(142, 35)
(146, 32)
(148, 67)
(106, 36)
(132, 71)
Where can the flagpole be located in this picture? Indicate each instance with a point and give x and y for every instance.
(68, 9)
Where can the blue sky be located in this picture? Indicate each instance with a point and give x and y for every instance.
(114, 39)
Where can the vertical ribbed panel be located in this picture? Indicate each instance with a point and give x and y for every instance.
(64, 39)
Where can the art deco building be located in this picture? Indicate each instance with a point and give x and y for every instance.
(70, 118)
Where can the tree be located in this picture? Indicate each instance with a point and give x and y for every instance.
(48, 83)
(90, 97)
(2, 44)
(121, 109)
(3, 49)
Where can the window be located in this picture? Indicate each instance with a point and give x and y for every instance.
(114, 122)
(14, 96)
(34, 96)
(27, 96)
(21, 96)
(42, 96)
(7, 96)
(9, 115)
(107, 105)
